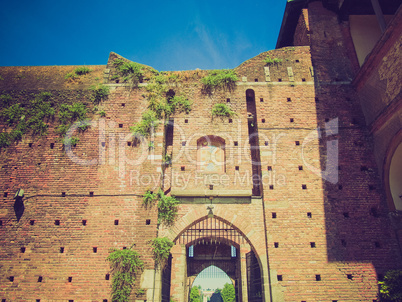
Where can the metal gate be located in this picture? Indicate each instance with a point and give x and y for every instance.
(254, 287)
(166, 280)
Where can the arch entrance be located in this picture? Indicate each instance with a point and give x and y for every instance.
(213, 241)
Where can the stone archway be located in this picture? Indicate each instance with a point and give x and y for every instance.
(213, 238)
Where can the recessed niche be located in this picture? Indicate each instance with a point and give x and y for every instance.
(186, 121)
(271, 187)
(273, 215)
(40, 278)
(91, 194)
(30, 145)
(116, 222)
(129, 144)
(261, 100)
(291, 120)
(269, 168)
(51, 145)
(350, 276)
(300, 168)
(123, 104)
(312, 244)
(120, 125)
(304, 187)
(63, 194)
(22, 249)
(276, 244)
(95, 249)
(230, 121)
(61, 250)
(266, 143)
(57, 222)
(289, 99)
(237, 168)
(235, 143)
(211, 187)
(303, 79)
(227, 100)
(279, 277)
(309, 215)
(255, 80)
(279, 80)
(148, 222)
(84, 222)
(11, 278)
(297, 143)
(107, 277)
(263, 120)
(317, 277)
(70, 279)
(183, 168)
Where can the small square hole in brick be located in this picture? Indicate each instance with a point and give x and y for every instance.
(312, 244)
(211, 187)
(263, 120)
(380, 277)
(107, 277)
(327, 120)
(84, 222)
(235, 143)
(51, 145)
(377, 244)
(104, 300)
(230, 121)
(304, 187)
(40, 279)
(237, 168)
(255, 80)
(303, 79)
(124, 247)
(297, 143)
(70, 279)
(63, 194)
(289, 99)
(5, 194)
(129, 144)
(279, 277)
(300, 168)
(261, 100)
(274, 215)
(37, 300)
(317, 100)
(346, 214)
(57, 222)
(91, 194)
(30, 145)
(279, 80)
(183, 143)
(343, 242)
(11, 278)
(339, 168)
(371, 187)
(266, 143)
(95, 249)
(340, 187)
(317, 277)
(276, 244)
(148, 222)
(269, 168)
(309, 215)
(103, 144)
(1, 222)
(183, 168)
(116, 222)
(291, 120)
(227, 100)
(186, 121)
(23, 249)
(61, 250)
(350, 276)
(120, 125)
(123, 104)
(297, 61)
(363, 168)
(271, 187)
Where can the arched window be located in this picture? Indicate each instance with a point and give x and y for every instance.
(211, 154)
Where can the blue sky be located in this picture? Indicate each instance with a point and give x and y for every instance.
(167, 35)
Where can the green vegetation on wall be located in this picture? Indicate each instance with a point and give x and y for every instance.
(225, 79)
(161, 249)
(391, 286)
(125, 265)
(222, 110)
(272, 61)
(130, 71)
(167, 206)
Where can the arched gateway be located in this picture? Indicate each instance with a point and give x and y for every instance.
(212, 241)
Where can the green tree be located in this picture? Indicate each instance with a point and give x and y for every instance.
(391, 287)
(228, 293)
(195, 294)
